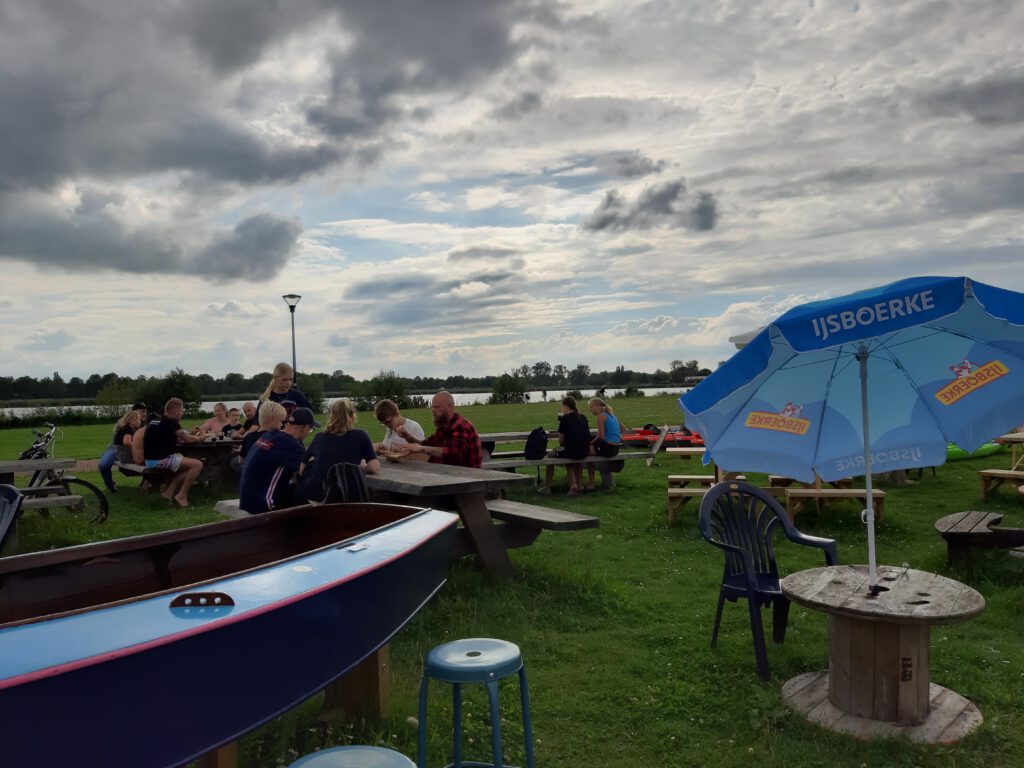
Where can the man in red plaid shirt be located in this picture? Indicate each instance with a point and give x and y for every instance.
(454, 441)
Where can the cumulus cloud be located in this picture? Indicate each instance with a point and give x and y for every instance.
(90, 237)
(48, 340)
(234, 308)
(524, 104)
(257, 248)
(482, 252)
(424, 300)
(633, 165)
(430, 201)
(337, 340)
(659, 205)
(992, 101)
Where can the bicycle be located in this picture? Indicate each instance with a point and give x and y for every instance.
(58, 481)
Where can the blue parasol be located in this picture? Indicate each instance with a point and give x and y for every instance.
(870, 382)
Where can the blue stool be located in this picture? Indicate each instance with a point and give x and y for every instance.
(477, 660)
(354, 757)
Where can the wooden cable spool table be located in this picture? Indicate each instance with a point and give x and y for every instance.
(878, 680)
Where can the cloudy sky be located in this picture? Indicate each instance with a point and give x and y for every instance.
(461, 186)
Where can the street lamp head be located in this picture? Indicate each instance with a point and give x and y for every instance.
(291, 299)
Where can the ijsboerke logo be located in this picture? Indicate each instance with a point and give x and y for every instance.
(787, 420)
(968, 377)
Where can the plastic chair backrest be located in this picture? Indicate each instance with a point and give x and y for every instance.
(10, 506)
(345, 483)
(742, 517)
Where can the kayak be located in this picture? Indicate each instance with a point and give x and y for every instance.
(675, 438)
(955, 453)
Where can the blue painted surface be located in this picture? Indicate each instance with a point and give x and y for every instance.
(144, 685)
(36, 646)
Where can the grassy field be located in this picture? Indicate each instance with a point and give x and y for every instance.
(615, 625)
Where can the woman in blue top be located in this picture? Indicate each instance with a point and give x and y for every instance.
(609, 435)
(339, 442)
(281, 388)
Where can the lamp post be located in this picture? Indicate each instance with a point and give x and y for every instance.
(291, 299)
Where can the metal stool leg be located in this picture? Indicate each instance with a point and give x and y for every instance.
(457, 717)
(421, 742)
(524, 695)
(492, 694)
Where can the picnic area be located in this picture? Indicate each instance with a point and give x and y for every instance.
(614, 620)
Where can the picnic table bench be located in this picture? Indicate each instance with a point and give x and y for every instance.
(680, 490)
(605, 465)
(796, 497)
(993, 478)
(40, 497)
(152, 478)
(964, 531)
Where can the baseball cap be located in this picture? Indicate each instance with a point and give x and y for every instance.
(139, 406)
(303, 417)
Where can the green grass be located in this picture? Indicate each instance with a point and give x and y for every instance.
(615, 625)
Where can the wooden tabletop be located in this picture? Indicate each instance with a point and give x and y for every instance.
(1012, 437)
(423, 479)
(913, 597)
(516, 437)
(31, 465)
(689, 451)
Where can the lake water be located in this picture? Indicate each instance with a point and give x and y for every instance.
(463, 398)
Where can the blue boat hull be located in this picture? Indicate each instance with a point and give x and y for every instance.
(166, 701)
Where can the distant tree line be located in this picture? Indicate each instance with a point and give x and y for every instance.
(540, 375)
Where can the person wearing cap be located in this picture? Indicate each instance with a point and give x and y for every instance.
(122, 436)
(340, 442)
(271, 463)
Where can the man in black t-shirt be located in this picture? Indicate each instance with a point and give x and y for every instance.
(160, 452)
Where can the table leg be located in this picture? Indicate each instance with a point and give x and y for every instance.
(478, 521)
(879, 670)
(225, 757)
(363, 690)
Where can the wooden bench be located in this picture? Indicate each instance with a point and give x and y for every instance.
(606, 466)
(152, 478)
(46, 502)
(964, 531)
(682, 481)
(543, 518)
(993, 478)
(678, 495)
(781, 481)
(796, 497)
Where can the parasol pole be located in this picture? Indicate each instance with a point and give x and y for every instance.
(869, 513)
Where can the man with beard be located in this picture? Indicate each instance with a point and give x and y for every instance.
(454, 441)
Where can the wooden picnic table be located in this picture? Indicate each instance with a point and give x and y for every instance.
(1016, 442)
(878, 680)
(463, 488)
(216, 455)
(8, 469)
(688, 453)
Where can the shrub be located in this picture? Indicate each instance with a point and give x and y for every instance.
(508, 388)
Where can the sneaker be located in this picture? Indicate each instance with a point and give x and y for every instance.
(543, 491)
(573, 492)
(111, 489)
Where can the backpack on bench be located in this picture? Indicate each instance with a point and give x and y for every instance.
(345, 483)
(536, 444)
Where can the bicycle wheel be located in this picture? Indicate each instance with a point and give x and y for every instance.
(93, 504)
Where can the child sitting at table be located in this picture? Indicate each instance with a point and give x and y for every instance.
(233, 428)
